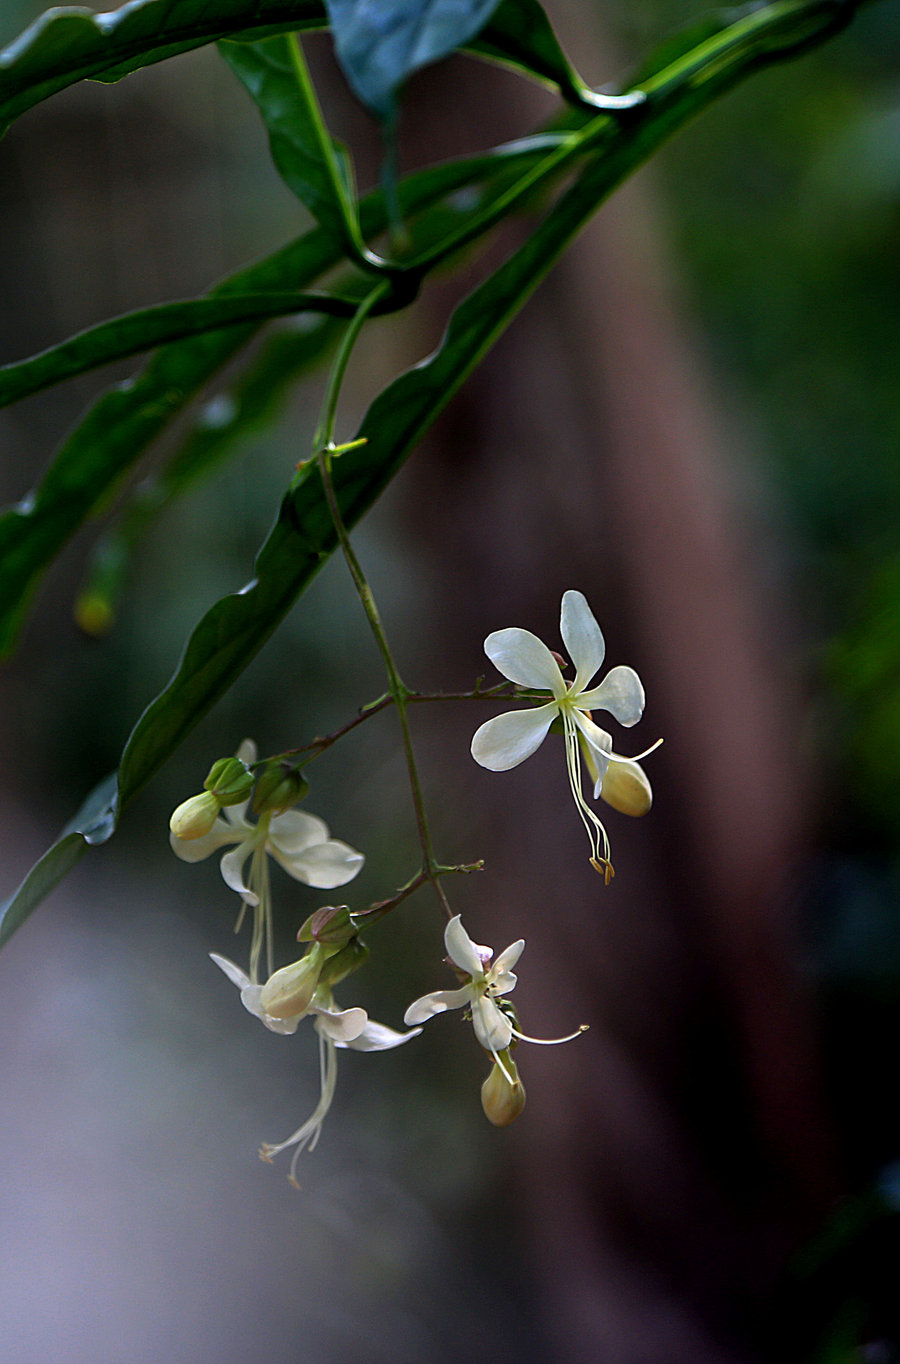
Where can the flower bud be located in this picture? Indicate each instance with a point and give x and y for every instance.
(279, 787)
(503, 1094)
(289, 991)
(625, 787)
(349, 958)
(330, 924)
(195, 817)
(230, 781)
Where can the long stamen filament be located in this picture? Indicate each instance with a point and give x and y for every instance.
(550, 1041)
(600, 849)
(307, 1135)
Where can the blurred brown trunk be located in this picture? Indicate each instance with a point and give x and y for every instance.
(673, 1158)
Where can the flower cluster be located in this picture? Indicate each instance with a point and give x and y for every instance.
(301, 844)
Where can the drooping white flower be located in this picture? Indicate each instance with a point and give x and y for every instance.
(299, 842)
(335, 1028)
(507, 740)
(488, 981)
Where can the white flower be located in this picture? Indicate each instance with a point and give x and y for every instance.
(299, 842)
(488, 981)
(335, 1027)
(509, 739)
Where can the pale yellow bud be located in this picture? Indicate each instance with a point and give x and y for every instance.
(289, 991)
(625, 787)
(195, 817)
(503, 1094)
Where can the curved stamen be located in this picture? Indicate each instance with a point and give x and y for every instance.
(550, 1041)
(307, 1135)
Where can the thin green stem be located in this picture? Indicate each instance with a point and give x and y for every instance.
(399, 691)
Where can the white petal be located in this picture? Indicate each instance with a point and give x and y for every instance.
(620, 693)
(492, 1028)
(507, 960)
(437, 1003)
(582, 637)
(246, 751)
(252, 1002)
(295, 830)
(232, 868)
(462, 951)
(598, 744)
(324, 866)
(524, 659)
(234, 973)
(195, 849)
(341, 1025)
(509, 739)
(377, 1037)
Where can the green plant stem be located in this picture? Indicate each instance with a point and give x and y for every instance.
(400, 693)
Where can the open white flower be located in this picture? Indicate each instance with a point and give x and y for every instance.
(488, 981)
(507, 740)
(335, 1028)
(299, 842)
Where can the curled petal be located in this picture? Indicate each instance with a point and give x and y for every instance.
(582, 637)
(525, 660)
(620, 693)
(377, 1037)
(294, 831)
(598, 745)
(509, 739)
(251, 998)
(462, 951)
(502, 967)
(492, 1028)
(342, 1026)
(196, 849)
(437, 1003)
(232, 868)
(233, 972)
(324, 866)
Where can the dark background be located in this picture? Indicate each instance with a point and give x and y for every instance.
(695, 423)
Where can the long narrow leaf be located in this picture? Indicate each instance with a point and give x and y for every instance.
(72, 43)
(148, 328)
(124, 421)
(234, 629)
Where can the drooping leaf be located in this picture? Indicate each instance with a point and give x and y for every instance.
(94, 823)
(312, 164)
(380, 45)
(124, 421)
(148, 328)
(70, 43)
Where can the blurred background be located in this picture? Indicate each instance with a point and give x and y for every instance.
(695, 422)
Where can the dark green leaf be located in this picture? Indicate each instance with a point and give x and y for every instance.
(380, 45)
(94, 823)
(151, 327)
(123, 422)
(315, 167)
(71, 43)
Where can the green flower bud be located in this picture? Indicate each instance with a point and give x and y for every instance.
(330, 924)
(501, 1099)
(343, 962)
(230, 781)
(625, 787)
(279, 787)
(289, 990)
(195, 817)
